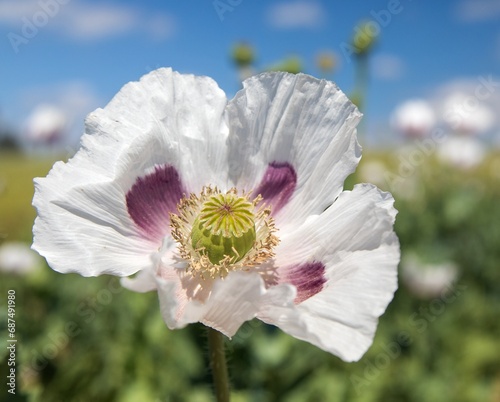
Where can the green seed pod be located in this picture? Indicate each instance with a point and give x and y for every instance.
(224, 228)
(218, 247)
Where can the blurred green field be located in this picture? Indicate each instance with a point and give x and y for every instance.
(16, 192)
(87, 339)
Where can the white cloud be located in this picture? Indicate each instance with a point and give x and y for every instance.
(387, 67)
(97, 21)
(77, 97)
(12, 11)
(84, 20)
(477, 10)
(161, 26)
(296, 14)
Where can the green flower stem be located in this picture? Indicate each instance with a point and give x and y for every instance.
(218, 364)
(361, 80)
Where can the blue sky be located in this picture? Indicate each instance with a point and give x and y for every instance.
(85, 51)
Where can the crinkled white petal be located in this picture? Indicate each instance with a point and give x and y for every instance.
(240, 299)
(83, 227)
(227, 304)
(143, 282)
(354, 239)
(306, 122)
(182, 116)
(166, 118)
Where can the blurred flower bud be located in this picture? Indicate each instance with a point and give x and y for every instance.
(365, 37)
(326, 61)
(243, 55)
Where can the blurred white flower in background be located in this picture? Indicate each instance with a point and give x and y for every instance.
(47, 124)
(462, 152)
(413, 118)
(464, 114)
(17, 258)
(427, 281)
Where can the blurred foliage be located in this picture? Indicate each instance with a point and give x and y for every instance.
(16, 192)
(243, 56)
(87, 339)
(9, 143)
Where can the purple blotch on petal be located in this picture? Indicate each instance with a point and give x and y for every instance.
(308, 278)
(277, 185)
(152, 198)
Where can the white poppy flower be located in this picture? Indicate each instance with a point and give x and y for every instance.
(427, 280)
(413, 118)
(464, 114)
(18, 259)
(46, 124)
(462, 152)
(229, 209)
